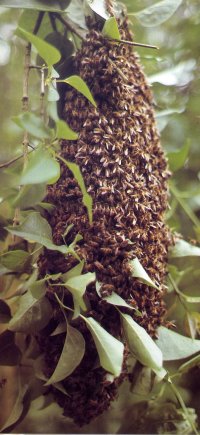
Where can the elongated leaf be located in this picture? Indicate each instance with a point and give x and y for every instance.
(10, 354)
(33, 125)
(49, 53)
(87, 199)
(175, 346)
(178, 158)
(41, 168)
(64, 131)
(178, 75)
(184, 249)
(157, 13)
(71, 356)
(77, 286)
(40, 5)
(190, 299)
(110, 349)
(32, 314)
(36, 229)
(115, 299)
(79, 84)
(138, 272)
(5, 313)
(110, 29)
(29, 195)
(17, 409)
(38, 289)
(141, 344)
(14, 260)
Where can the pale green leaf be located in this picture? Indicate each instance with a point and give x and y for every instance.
(76, 270)
(110, 350)
(29, 195)
(141, 345)
(178, 158)
(71, 356)
(40, 168)
(33, 125)
(38, 288)
(49, 53)
(193, 362)
(17, 409)
(32, 314)
(178, 75)
(157, 13)
(40, 5)
(87, 199)
(139, 272)
(115, 299)
(175, 346)
(79, 84)
(36, 229)
(110, 29)
(184, 249)
(100, 7)
(63, 131)
(77, 286)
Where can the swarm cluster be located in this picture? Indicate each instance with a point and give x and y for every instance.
(125, 172)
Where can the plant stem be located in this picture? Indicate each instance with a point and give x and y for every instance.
(70, 25)
(184, 408)
(136, 44)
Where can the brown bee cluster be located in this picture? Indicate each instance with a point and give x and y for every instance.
(125, 172)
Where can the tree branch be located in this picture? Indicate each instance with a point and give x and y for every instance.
(71, 26)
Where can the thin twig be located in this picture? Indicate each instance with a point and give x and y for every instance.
(70, 25)
(42, 93)
(136, 44)
(38, 22)
(118, 70)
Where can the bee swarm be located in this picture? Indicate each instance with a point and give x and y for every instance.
(125, 172)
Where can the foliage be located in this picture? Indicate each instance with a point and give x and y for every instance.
(30, 161)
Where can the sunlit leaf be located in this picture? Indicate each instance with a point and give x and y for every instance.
(77, 286)
(100, 7)
(29, 195)
(49, 53)
(178, 158)
(36, 229)
(17, 409)
(178, 75)
(33, 125)
(10, 354)
(79, 84)
(184, 249)
(175, 346)
(32, 314)
(141, 344)
(110, 29)
(157, 13)
(40, 168)
(110, 349)
(63, 131)
(87, 199)
(138, 272)
(71, 356)
(5, 313)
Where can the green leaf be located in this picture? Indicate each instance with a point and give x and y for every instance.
(110, 29)
(87, 199)
(178, 158)
(32, 314)
(77, 287)
(175, 346)
(184, 249)
(141, 344)
(115, 299)
(71, 356)
(40, 168)
(76, 270)
(63, 131)
(36, 229)
(29, 196)
(49, 53)
(158, 13)
(14, 260)
(17, 409)
(10, 354)
(100, 7)
(33, 125)
(178, 75)
(40, 5)
(5, 313)
(110, 349)
(138, 272)
(38, 289)
(79, 84)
